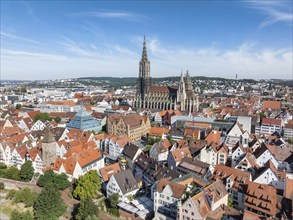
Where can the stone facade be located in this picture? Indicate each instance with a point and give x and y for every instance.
(181, 97)
(133, 125)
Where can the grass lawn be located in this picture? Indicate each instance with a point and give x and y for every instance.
(8, 207)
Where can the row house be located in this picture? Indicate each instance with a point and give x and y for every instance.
(259, 198)
(158, 132)
(269, 175)
(237, 134)
(39, 125)
(197, 167)
(288, 131)
(269, 126)
(148, 171)
(160, 151)
(17, 156)
(114, 145)
(214, 152)
(124, 184)
(200, 205)
(131, 153)
(246, 163)
(106, 173)
(166, 196)
(263, 154)
(283, 155)
(175, 157)
(79, 163)
(232, 178)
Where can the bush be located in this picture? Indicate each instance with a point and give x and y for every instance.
(26, 171)
(114, 211)
(2, 166)
(2, 186)
(16, 215)
(26, 196)
(11, 194)
(11, 173)
(49, 177)
(49, 204)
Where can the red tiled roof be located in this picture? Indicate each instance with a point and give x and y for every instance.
(271, 121)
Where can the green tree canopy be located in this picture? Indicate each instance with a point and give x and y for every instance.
(43, 116)
(169, 137)
(49, 177)
(17, 215)
(87, 185)
(49, 204)
(26, 196)
(87, 208)
(26, 171)
(2, 186)
(18, 106)
(57, 119)
(114, 200)
(11, 173)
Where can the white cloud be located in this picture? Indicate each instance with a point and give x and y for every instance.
(110, 14)
(115, 60)
(12, 36)
(275, 11)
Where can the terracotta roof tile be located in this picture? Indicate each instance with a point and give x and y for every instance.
(108, 171)
(177, 189)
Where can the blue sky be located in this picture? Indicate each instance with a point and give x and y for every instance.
(62, 39)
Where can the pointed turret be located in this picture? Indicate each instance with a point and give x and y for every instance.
(144, 56)
(144, 80)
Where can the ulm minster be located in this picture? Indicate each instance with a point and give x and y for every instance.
(203, 129)
(181, 97)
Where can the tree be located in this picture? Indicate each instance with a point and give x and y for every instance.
(17, 215)
(49, 204)
(26, 196)
(43, 116)
(230, 201)
(262, 115)
(290, 140)
(57, 119)
(87, 185)
(18, 106)
(112, 204)
(87, 208)
(26, 171)
(2, 186)
(114, 200)
(11, 173)
(49, 177)
(2, 166)
(169, 137)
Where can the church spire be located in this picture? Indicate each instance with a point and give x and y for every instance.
(144, 51)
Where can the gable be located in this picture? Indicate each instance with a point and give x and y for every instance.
(235, 131)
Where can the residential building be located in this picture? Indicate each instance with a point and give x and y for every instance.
(122, 183)
(166, 196)
(269, 126)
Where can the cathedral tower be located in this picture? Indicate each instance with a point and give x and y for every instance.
(181, 93)
(144, 78)
(188, 83)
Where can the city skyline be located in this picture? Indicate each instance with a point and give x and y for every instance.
(53, 40)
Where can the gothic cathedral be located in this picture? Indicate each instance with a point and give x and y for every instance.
(181, 97)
